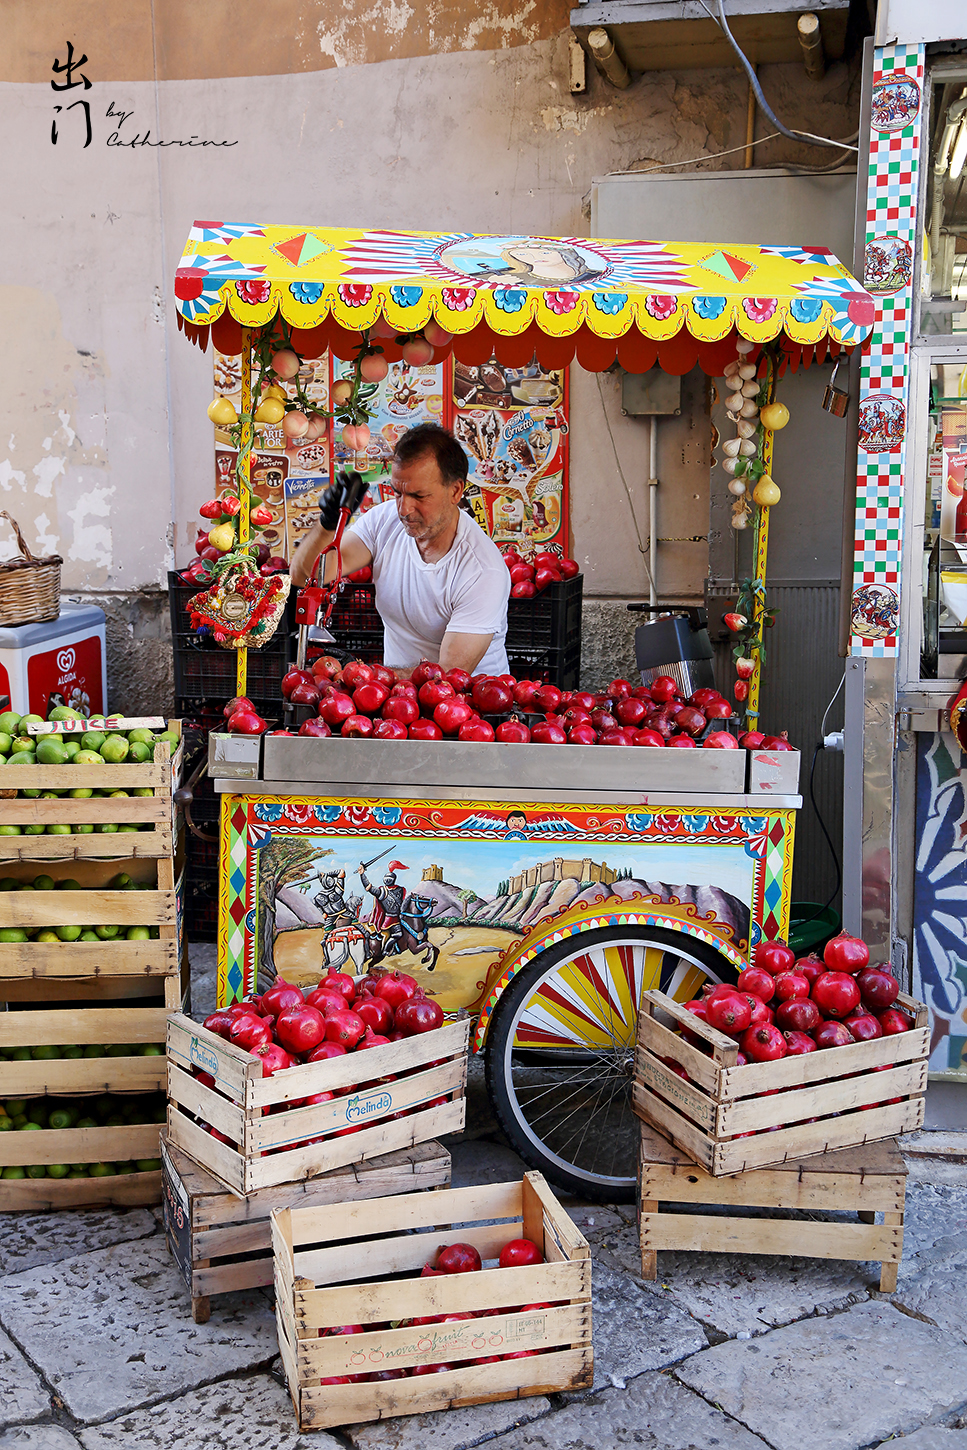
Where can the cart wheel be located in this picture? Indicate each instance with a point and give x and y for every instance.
(560, 1051)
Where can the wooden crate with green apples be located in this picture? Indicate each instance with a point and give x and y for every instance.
(87, 883)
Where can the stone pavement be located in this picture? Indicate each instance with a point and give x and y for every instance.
(98, 1350)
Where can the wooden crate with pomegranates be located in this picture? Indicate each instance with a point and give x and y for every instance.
(730, 1117)
(222, 1243)
(384, 1099)
(463, 1338)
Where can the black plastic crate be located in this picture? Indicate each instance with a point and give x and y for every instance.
(355, 610)
(363, 644)
(552, 619)
(201, 904)
(561, 667)
(209, 675)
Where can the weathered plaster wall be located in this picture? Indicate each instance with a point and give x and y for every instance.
(392, 114)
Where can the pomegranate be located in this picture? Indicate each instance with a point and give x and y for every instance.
(451, 715)
(401, 708)
(663, 687)
(777, 742)
(682, 742)
(512, 732)
(544, 733)
(764, 1044)
(570, 568)
(325, 1050)
(369, 698)
(878, 989)
(690, 719)
(631, 712)
(477, 730)
(345, 1028)
(274, 1058)
(433, 693)
(798, 1015)
(810, 967)
(458, 1259)
(250, 1031)
(524, 692)
(774, 956)
(603, 719)
(893, 1021)
(300, 1029)
(791, 984)
(731, 1014)
(390, 730)
(799, 1043)
(317, 728)
(425, 730)
(303, 694)
(751, 739)
(832, 1034)
(548, 698)
(426, 670)
(863, 1025)
(372, 1039)
(757, 981)
(395, 988)
(293, 678)
(432, 1368)
(419, 1014)
(357, 727)
(220, 1022)
(336, 708)
(326, 665)
(356, 673)
(375, 1012)
(582, 734)
(846, 953)
(523, 589)
(720, 740)
(519, 1252)
(649, 738)
(617, 737)
(491, 696)
(326, 1001)
(836, 994)
(280, 995)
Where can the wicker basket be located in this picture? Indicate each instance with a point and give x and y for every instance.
(29, 587)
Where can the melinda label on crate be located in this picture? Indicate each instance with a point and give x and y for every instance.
(512, 424)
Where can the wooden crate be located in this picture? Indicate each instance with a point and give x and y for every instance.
(80, 856)
(222, 1243)
(319, 1261)
(838, 1087)
(39, 1195)
(83, 1027)
(436, 1064)
(863, 1180)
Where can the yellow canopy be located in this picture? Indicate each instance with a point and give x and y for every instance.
(590, 298)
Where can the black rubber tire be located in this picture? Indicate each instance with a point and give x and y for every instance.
(526, 1139)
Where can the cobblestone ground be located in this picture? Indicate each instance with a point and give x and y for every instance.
(98, 1348)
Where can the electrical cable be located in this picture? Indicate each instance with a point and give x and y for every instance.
(822, 728)
(746, 64)
(733, 151)
(621, 474)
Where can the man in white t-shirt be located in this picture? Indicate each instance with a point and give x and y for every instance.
(441, 584)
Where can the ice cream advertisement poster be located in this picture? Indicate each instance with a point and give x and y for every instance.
(406, 396)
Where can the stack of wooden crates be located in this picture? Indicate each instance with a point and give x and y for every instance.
(814, 1132)
(83, 993)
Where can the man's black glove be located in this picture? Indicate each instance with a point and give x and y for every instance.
(345, 491)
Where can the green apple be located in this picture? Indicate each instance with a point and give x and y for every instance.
(71, 748)
(93, 1050)
(63, 712)
(9, 883)
(147, 1165)
(143, 790)
(102, 1170)
(106, 828)
(172, 737)
(50, 751)
(12, 934)
(43, 882)
(69, 884)
(152, 1049)
(34, 830)
(87, 755)
(81, 793)
(87, 1122)
(140, 752)
(58, 1170)
(138, 933)
(73, 1052)
(26, 720)
(58, 829)
(45, 1052)
(22, 757)
(10, 831)
(128, 828)
(115, 749)
(10, 722)
(68, 933)
(140, 735)
(89, 935)
(47, 935)
(78, 1170)
(121, 1049)
(121, 882)
(6, 743)
(14, 1173)
(83, 829)
(107, 933)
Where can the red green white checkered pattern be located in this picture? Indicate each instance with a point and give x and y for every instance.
(892, 211)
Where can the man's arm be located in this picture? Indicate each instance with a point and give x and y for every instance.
(355, 555)
(463, 651)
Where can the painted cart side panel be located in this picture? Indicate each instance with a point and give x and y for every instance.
(473, 879)
(940, 899)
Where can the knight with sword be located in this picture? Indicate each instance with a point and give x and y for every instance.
(388, 902)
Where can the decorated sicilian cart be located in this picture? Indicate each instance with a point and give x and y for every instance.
(541, 889)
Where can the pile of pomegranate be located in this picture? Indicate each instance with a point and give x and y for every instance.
(368, 701)
(782, 1006)
(452, 1259)
(285, 1027)
(531, 577)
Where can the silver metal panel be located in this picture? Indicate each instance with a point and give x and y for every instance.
(801, 674)
(771, 206)
(853, 730)
(618, 799)
(774, 772)
(385, 764)
(234, 757)
(879, 740)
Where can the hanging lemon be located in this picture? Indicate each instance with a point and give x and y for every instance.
(222, 413)
(222, 537)
(774, 416)
(766, 492)
(270, 410)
